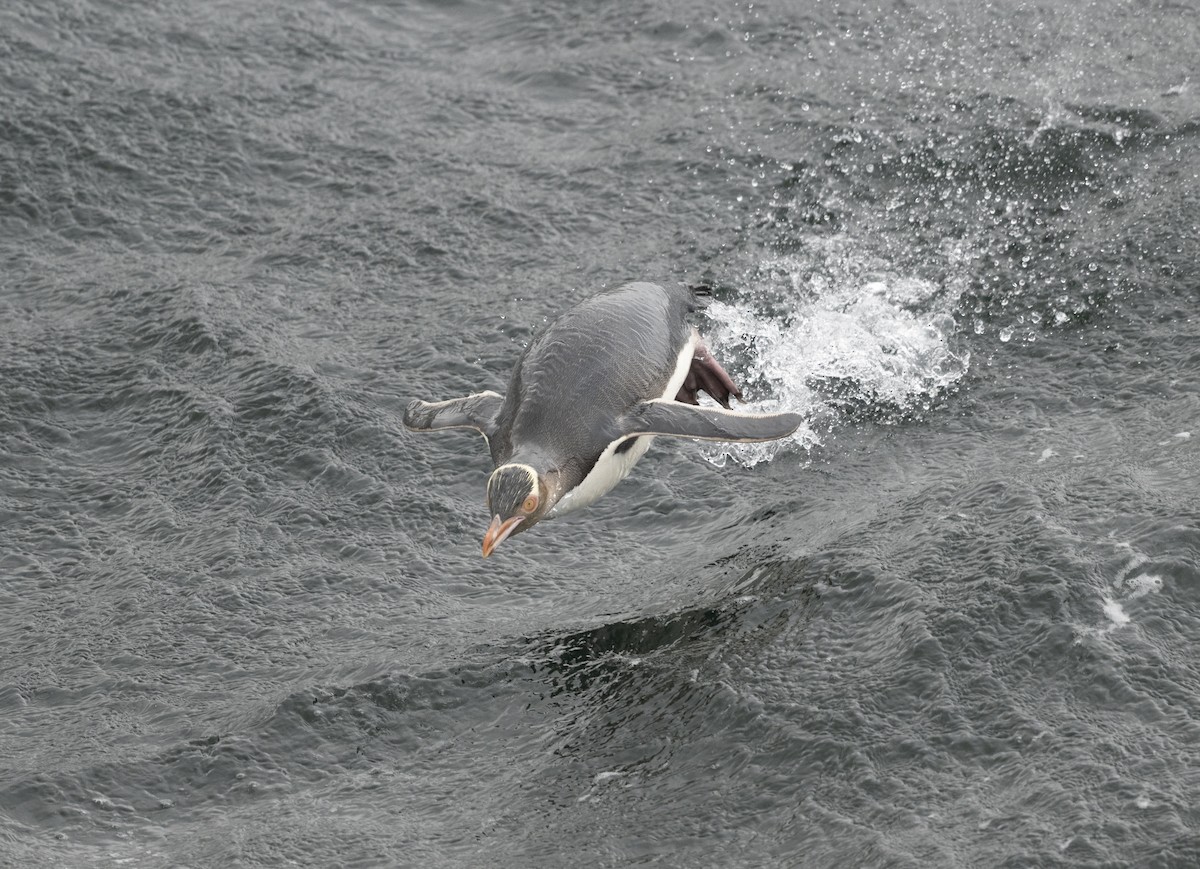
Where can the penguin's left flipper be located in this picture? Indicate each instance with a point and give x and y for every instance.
(662, 416)
(477, 411)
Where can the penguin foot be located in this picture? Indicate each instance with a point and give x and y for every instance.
(707, 374)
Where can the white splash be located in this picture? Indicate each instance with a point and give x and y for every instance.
(1128, 585)
(598, 781)
(1115, 612)
(1046, 454)
(1131, 582)
(1140, 586)
(883, 341)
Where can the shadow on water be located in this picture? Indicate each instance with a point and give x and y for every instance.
(548, 693)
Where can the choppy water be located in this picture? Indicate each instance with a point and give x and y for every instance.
(243, 617)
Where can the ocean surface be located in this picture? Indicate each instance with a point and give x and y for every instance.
(953, 622)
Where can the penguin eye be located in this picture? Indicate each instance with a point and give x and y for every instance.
(530, 504)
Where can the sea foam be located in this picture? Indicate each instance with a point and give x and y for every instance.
(820, 342)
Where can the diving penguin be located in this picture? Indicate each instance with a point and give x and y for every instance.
(588, 396)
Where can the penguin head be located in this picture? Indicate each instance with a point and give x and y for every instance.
(517, 498)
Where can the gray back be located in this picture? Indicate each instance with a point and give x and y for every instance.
(585, 370)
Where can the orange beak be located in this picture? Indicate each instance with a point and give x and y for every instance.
(498, 531)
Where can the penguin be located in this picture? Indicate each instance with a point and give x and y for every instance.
(586, 399)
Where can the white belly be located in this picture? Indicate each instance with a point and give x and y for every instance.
(613, 467)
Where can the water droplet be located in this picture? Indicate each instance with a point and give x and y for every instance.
(1092, 267)
(1006, 335)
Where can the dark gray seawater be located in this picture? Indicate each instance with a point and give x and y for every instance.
(244, 620)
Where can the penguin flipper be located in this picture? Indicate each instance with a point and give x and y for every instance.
(477, 411)
(662, 416)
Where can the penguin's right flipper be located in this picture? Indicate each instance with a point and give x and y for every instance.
(661, 416)
(477, 411)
